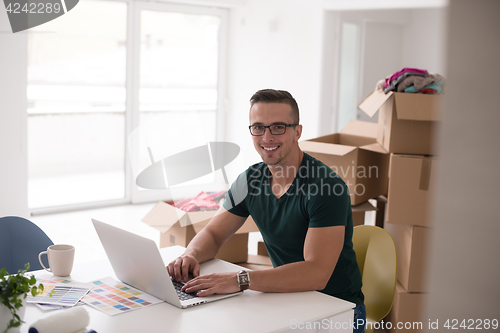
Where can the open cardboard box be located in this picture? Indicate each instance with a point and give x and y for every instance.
(178, 227)
(407, 122)
(411, 178)
(411, 245)
(359, 212)
(356, 157)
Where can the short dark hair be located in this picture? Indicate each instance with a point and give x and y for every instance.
(277, 96)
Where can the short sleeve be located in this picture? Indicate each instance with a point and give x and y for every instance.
(330, 206)
(235, 201)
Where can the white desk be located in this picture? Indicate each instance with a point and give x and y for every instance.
(251, 312)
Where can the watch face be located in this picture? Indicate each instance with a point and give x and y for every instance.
(243, 278)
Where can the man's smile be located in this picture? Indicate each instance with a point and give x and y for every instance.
(270, 148)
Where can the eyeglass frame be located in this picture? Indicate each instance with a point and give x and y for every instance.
(269, 127)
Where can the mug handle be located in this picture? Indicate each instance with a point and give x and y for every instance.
(41, 263)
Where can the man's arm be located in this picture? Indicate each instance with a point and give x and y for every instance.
(205, 245)
(322, 249)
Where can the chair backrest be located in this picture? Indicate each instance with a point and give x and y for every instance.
(376, 257)
(20, 242)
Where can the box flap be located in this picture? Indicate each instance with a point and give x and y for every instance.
(376, 147)
(325, 148)
(164, 216)
(363, 207)
(425, 174)
(374, 101)
(329, 138)
(361, 128)
(355, 140)
(417, 106)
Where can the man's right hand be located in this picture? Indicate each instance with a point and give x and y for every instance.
(180, 268)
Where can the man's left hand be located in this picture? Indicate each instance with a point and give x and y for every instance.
(217, 283)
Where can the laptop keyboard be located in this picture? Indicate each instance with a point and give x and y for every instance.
(183, 296)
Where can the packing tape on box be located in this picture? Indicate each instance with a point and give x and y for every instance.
(64, 321)
(425, 173)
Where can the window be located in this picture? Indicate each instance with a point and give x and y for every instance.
(178, 90)
(139, 66)
(76, 106)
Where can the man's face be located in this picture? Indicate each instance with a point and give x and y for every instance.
(274, 149)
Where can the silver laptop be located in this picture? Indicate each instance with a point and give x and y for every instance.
(137, 262)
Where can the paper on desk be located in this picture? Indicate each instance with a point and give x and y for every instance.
(59, 292)
(51, 307)
(114, 297)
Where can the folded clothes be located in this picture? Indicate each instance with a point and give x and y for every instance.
(433, 88)
(427, 91)
(394, 76)
(200, 202)
(418, 81)
(395, 83)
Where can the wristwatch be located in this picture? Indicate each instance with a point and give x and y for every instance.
(243, 280)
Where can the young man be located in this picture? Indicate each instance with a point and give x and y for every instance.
(302, 209)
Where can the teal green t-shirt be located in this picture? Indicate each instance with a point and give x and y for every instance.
(317, 198)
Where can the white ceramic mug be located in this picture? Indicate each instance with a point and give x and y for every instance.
(61, 258)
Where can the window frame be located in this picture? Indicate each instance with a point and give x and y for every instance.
(138, 196)
(134, 7)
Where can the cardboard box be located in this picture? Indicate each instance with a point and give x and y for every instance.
(411, 245)
(178, 227)
(259, 260)
(359, 213)
(360, 162)
(261, 249)
(407, 309)
(380, 217)
(411, 179)
(407, 122)
(254, 267)
(359, 133)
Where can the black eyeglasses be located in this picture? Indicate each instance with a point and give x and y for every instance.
(279, 129)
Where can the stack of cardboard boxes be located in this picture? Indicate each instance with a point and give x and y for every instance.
(401, 148)
(406, 127)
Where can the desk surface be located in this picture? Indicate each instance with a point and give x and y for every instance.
(250, 312)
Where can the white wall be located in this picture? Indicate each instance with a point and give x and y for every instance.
(465, 262)
(424, 41)
(273, 44)
(13, 120)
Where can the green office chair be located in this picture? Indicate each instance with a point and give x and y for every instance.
(376, 256)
